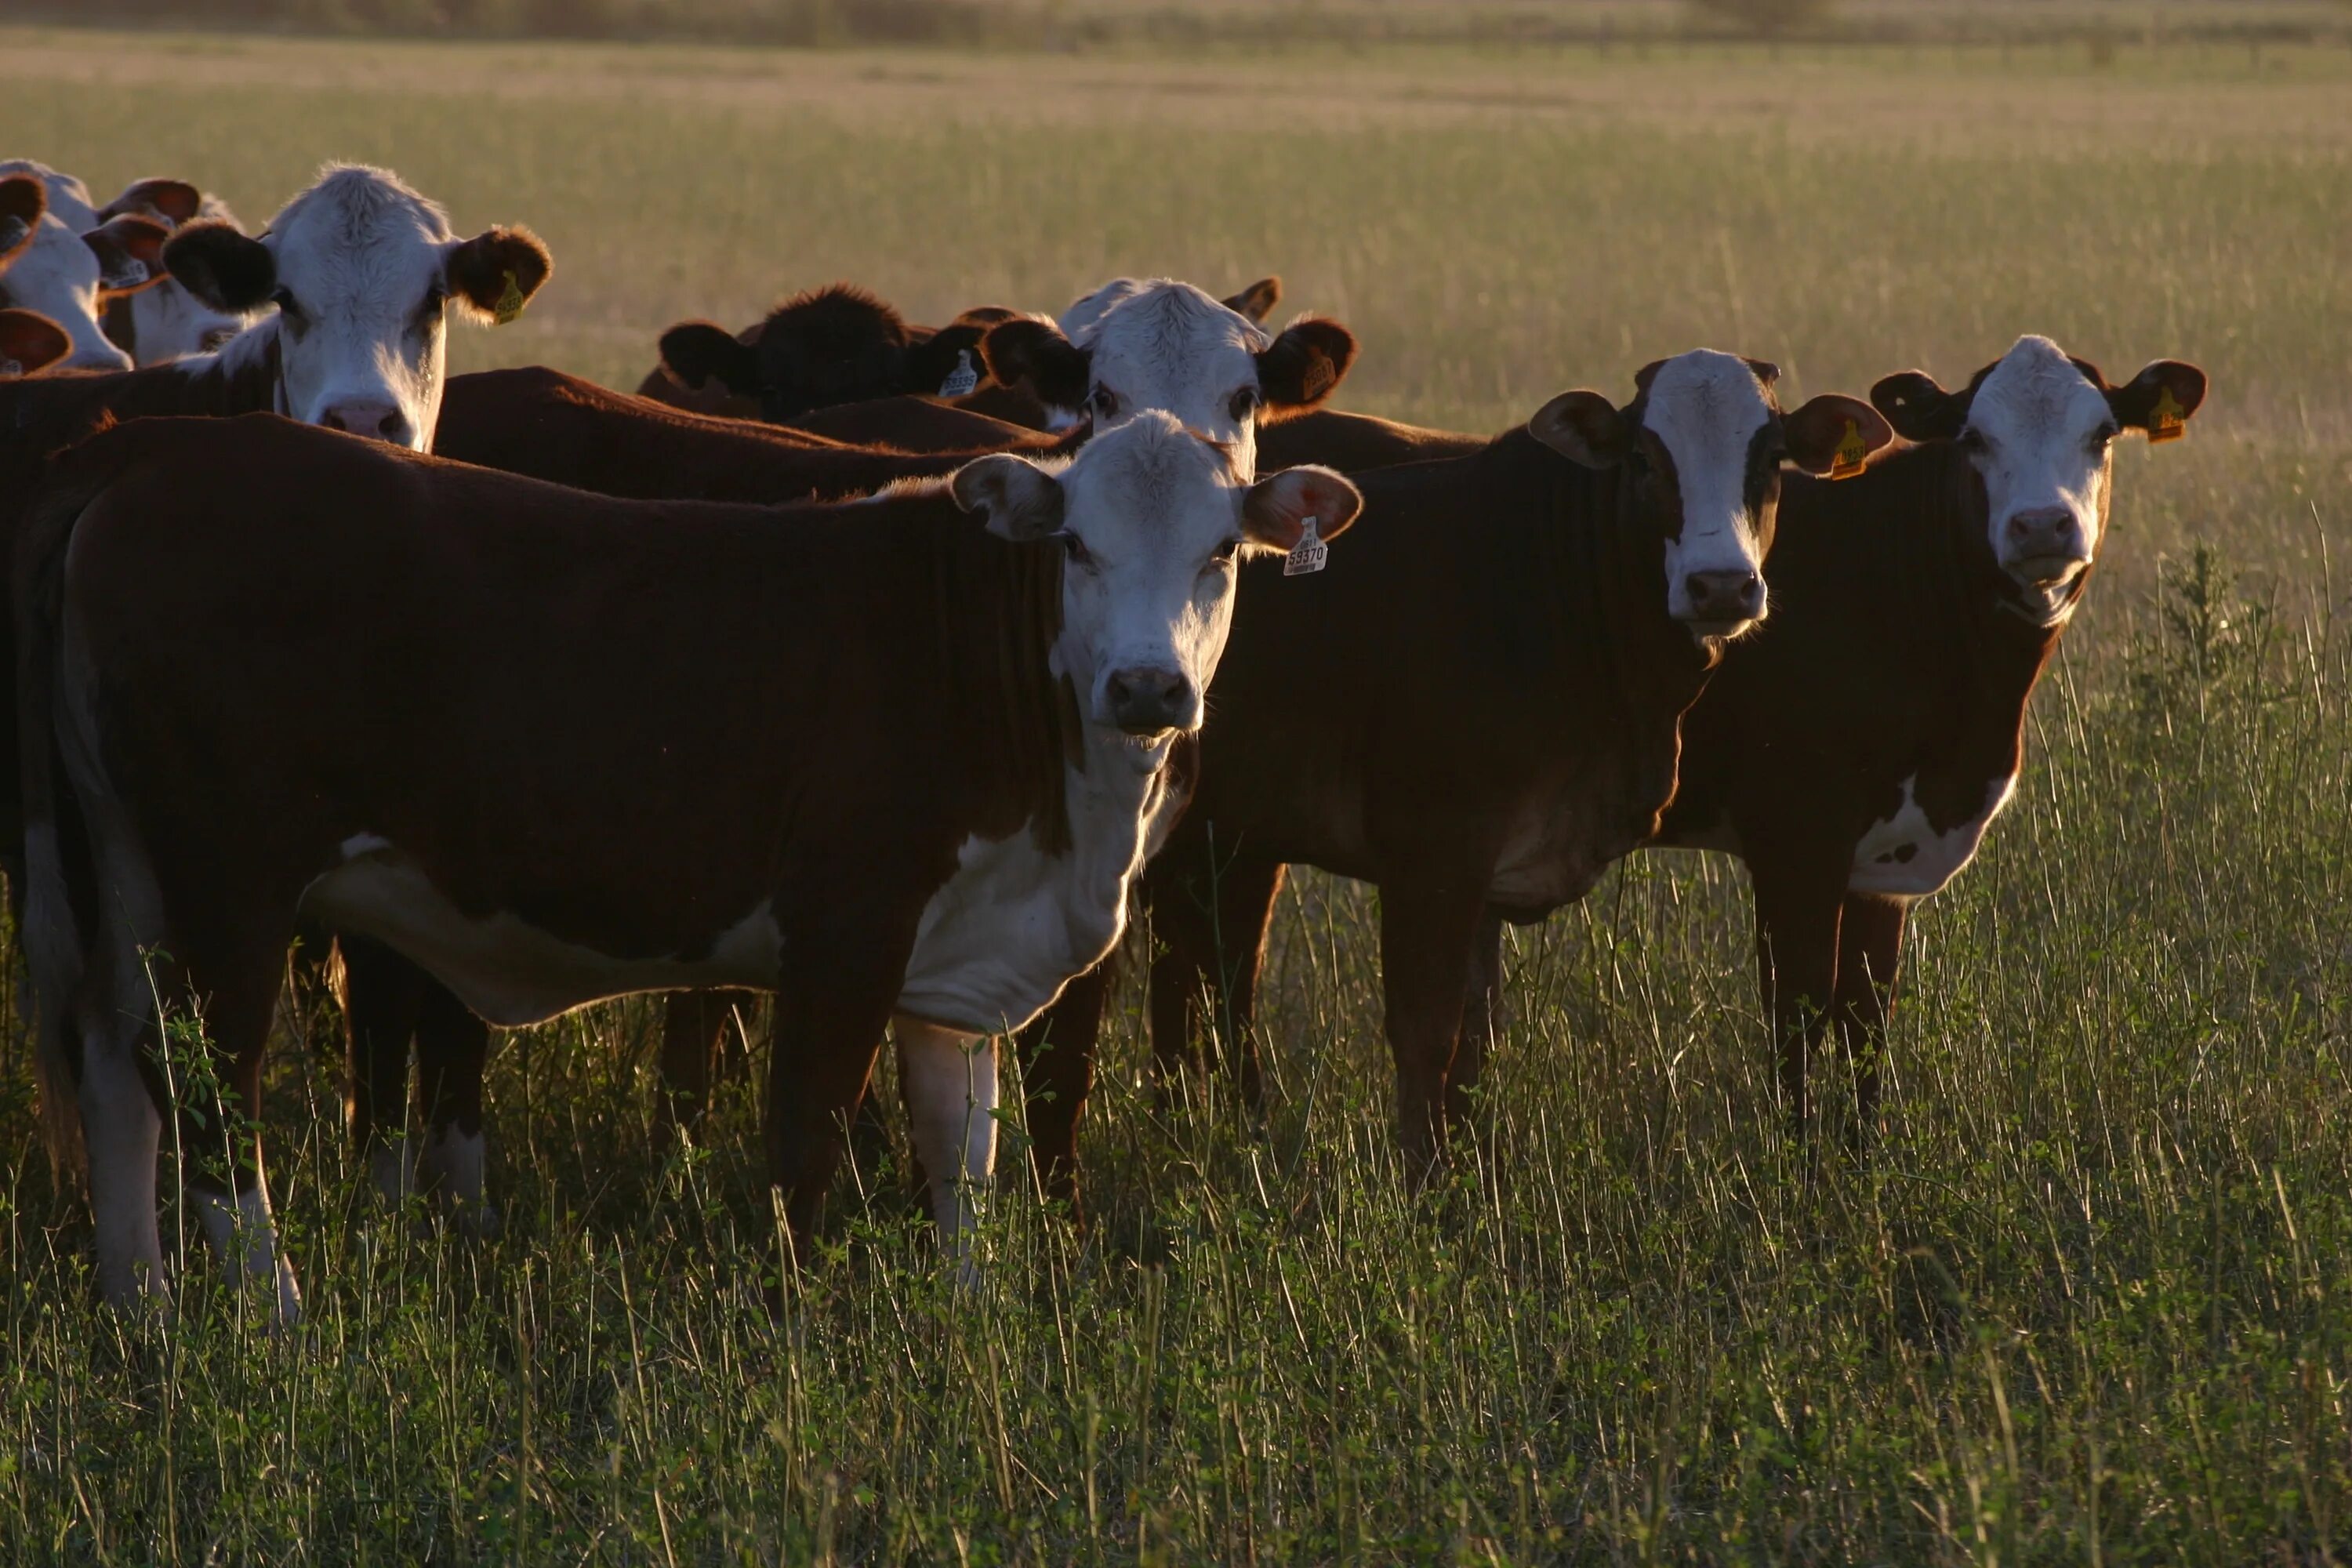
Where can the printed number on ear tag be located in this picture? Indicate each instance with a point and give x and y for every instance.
(133, 273)
(2167, 421)
(510, 303)
(1307, 555)
(962, 379)
(1850, 454)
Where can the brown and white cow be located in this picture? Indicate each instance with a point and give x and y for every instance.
(150, 325)
(921, 791)
(1854, 757)
(1476, 709)
(29, 342)
(70, 277)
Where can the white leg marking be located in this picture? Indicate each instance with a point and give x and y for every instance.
(453, 1163)
(951, 1095)
(244, 1235)
(124, 1133)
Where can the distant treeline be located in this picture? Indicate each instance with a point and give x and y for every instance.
(1074, 23)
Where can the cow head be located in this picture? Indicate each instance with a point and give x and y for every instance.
(2039, 429)
(363, 272)
(1077, 323)
(69, 278)
(1154, 522)
(817, 350)
(29, 342)
(168, 322)
(23, 205)
(1703, 442)
(1168, 345)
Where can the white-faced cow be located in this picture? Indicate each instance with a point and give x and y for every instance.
(1476, 710)
(921, 793)
(1855, 756)
(69, 278)
(29, 342)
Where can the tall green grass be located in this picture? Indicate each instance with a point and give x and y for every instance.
(2088, 1304)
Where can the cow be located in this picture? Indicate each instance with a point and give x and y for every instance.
(1855, 756)
(1476, 709)
(29, 342)
(920, 792)
(919, 424)
(70, 277)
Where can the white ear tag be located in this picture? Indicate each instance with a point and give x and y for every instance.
(134, 271)
(1307, 554)
(962, 379)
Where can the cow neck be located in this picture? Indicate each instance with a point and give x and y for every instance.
(992, 612)
(1906, 543)
(244, 378)
(1578, 589)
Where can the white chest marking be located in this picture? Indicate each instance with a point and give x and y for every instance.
(1904, 855)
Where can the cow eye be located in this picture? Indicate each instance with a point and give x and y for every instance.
(284, 299)
(1244, 404)
(2103, 435)
(1973, 440)
(1105, 402)
(435, 298)
(1226, 551)
(1076, 549)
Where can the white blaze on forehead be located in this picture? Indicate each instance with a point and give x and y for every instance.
(1085, 313)
(1169, 345)
(1150, 502)
(57, 274)
(359, 253)
(1705, 408)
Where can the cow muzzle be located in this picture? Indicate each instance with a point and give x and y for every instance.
(2041, 547)
(1721, 603)
(376, 420)
(1150, 703)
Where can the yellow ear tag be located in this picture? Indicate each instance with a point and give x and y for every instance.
(2168, 422)
(510, 303)
(1852, 453)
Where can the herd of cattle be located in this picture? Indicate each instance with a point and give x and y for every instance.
(871, 664)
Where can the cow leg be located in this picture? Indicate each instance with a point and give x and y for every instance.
(950, 1079)
(1213, 917)
(112, 1027)
(692, 1024)
(1482, 1002)
(833, 999)
(453, 1048)
(1429, 925)
(1057, 1070)
(1798, 903)
(383, 995)
(1870, 955)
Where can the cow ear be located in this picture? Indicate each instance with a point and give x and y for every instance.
(225, 268)
(1304, 363)
(1766, 371)
(23, 200)
(1031, 349)
(2159, 399)
(1019, 500)
(1919, 408)
(175, 201)
(700, 351)
(1275, 511)
(130, 253)
(1834, 432)
(495, 274)
(1585, 427)
(29, 342)
(1647, 375)
(1258, 302)
(932, 366)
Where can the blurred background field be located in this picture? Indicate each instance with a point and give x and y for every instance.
(2091, 1304)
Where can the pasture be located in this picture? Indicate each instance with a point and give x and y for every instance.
(2091, 1300)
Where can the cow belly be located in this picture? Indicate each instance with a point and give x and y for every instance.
(1906, 855)
(507, 971)
(996, 945)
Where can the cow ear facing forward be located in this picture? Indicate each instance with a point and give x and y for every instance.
(1019, 500)
(1258, 302)
(227, 269)
(1031, 351)
(2159, 399)
(174, 201)
(1303, 366)
(1275, 511)
(700, 351)
(1919, 408)
(1834, 433)
(495, 274)
(23, 200)
(130, 253)
(30, 341)
(1585, 427)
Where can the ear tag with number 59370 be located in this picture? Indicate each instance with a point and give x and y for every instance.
(962, 379)
(1307, 554)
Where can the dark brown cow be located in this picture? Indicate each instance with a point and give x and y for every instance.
(868, 756)
(1854, 756)
(1357, 443)
(1478, 708)
(918, 424)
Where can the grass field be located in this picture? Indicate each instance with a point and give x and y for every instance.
(2092, 1304)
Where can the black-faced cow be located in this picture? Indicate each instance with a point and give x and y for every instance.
(832, 345)
(923, 793)
(1476, 710)
(1855, 756)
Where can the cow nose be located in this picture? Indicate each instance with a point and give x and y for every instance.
(377, 421)
(2042, 530)
(1147, 701)
(1725, 595)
